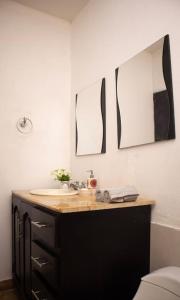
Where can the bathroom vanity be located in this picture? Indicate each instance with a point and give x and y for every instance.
(76, 248)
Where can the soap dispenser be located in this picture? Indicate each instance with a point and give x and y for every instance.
(91, 181)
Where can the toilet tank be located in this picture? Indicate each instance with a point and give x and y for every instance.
(163, 284)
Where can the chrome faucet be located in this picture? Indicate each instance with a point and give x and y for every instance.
(76, 185)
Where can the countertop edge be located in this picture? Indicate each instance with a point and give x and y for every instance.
(92, 205)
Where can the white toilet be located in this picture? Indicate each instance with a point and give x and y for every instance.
(163, 284)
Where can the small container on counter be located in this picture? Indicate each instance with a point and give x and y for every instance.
(91, 181)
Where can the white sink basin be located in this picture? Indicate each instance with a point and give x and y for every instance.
(53, 192)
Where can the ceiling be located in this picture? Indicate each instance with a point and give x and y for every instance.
(65, 9)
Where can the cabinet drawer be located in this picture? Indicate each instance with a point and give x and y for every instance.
(46, 264)
(44, 227)
(39, 290)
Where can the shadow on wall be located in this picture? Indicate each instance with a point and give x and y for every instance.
(165, 246)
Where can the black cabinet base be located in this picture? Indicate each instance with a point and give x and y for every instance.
(95, 255)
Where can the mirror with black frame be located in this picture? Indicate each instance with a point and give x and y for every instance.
(144, 95)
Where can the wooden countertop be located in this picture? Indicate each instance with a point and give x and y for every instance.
(77, 203)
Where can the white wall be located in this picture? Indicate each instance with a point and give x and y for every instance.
(34, 82)
(104, 35)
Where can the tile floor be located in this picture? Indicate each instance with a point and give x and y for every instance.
(8, 295)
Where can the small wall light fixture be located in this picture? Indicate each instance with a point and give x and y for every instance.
(24, 125)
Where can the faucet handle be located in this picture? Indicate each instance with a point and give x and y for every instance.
(83, 185)
(73, 186)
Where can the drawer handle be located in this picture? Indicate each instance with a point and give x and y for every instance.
(36, 261)
(35, 295)
(38, 224)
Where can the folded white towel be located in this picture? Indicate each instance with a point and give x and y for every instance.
(108, 197)
(121, 194)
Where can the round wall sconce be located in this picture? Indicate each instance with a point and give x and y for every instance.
(24, 125)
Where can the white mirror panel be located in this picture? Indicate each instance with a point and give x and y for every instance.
(136, 101)
(90, 119)
(145, 107)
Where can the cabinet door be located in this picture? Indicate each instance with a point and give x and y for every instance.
(16, 232)
(104, 253)
(26, 245)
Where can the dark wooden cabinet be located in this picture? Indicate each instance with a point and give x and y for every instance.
(16, 233)
(82, 255)
(21, 254)
(26, 246)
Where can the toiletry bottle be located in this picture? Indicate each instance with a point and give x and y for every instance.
(91, 181)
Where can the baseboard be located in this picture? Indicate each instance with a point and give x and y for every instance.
(6, 284)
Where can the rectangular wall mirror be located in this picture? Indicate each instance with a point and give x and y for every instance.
(91, 119)
(144, 94)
